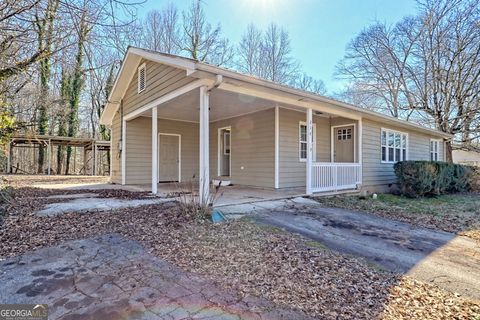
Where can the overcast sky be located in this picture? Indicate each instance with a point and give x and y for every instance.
(319, 29)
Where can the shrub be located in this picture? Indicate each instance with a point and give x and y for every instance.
(429, 178)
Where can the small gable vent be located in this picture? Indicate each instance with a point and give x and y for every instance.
(142, 78)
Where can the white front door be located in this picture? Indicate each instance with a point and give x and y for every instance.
(168, 157)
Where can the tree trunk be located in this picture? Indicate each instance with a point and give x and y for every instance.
(448, 152)
(76, 88)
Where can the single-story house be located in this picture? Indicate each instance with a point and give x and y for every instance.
(174, 118)
(466, 157)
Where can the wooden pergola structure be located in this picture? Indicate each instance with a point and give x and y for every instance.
(91, 146)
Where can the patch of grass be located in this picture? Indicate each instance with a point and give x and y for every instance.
(435, 206)
(316, 244)
(451, 213)
(272, 229)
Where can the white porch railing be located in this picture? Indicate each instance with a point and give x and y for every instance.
(333, 176)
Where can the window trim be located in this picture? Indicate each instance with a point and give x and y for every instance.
(387, 131)
(437, 141)
(314, 134)
(143, 67)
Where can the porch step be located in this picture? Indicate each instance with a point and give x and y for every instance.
(221, 181)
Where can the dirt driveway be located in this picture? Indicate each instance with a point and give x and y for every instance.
(442, 258)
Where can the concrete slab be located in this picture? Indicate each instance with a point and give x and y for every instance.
(110, 277)
(96, 204)
(73, 196)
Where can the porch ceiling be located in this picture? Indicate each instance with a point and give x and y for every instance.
(223, 105)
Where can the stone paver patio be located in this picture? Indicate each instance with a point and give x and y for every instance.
(110, 277)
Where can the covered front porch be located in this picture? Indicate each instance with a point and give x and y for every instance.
(213, 131)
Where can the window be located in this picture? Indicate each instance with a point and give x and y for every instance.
(226, 143)
(142, 78)
(302, 128)
(344, 134)
(394, 146)
(434, 150)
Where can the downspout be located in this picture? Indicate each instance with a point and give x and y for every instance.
(216, 84)
(120, 142)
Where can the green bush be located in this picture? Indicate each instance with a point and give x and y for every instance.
(429, 178)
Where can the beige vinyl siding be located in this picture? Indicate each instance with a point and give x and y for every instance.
(138, 151)
(292, 172)
(160, 80)
(139, 146)
(116, 162)
(376, 173)
(252, 147)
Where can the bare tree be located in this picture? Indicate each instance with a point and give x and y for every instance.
(308, 83)
(249, 52)
(426, 66)
(200, 41)
(161, 30)
(267, 55)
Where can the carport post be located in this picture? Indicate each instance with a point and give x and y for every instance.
(204, 174)
(9, 156)
(309, 151)
(154, 150)
(49, 153)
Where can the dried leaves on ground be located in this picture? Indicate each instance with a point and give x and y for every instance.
(251, 259)
(456, 213)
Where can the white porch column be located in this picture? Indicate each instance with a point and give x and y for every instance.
(204, 173)
(154, 150)
(277, 147)
(309, 150)
(360, 147)
(124, 155)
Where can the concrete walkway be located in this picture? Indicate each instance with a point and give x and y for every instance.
(88, 204)
(110, 277)
(445, 259)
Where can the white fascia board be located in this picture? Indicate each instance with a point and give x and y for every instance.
(306, 99)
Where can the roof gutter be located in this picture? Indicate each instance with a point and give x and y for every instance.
(315, 97)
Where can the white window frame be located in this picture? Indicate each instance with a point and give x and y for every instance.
(432, 152)
(314, 138)
(394, 132)
(140, 68)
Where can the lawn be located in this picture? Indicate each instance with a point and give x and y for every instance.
(458, 213)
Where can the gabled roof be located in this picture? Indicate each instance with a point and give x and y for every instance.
(204, 70)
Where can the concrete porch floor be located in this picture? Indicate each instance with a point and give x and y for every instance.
(229, 195)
